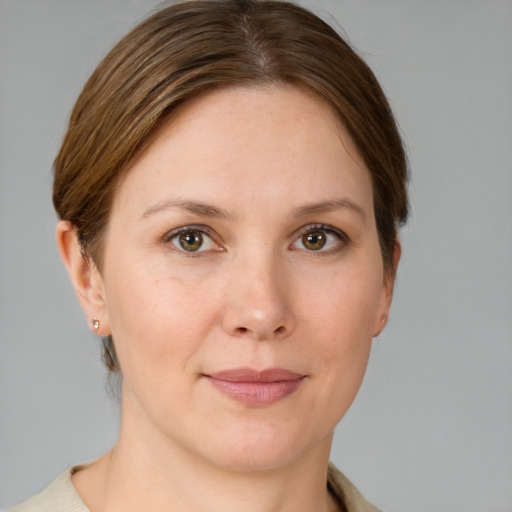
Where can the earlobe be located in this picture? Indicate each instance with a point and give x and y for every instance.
(380, 324)
(387, 291)
(85, 278)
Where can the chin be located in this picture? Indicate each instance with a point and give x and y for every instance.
(258, 448)
(247, 459)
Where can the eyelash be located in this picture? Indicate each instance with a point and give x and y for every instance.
(342, 238)
(203, 230)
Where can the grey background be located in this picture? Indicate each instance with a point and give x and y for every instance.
(432, 427)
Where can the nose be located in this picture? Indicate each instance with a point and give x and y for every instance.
(259, 301)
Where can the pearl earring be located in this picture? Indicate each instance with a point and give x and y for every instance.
(96, 324)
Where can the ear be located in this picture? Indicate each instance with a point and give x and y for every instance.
(382, 316)
(85, 278)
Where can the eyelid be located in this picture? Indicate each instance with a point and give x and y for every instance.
(344, 239)
(201, 228)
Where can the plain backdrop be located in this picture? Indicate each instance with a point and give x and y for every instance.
(431, 429)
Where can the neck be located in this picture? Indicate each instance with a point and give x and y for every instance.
(147, 471)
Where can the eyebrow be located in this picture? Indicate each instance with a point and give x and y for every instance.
(200, 209)
(208, 210)
(328, 206)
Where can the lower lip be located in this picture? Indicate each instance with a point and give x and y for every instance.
(257, 393)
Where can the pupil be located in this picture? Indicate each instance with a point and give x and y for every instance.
(191, 241)
(314, 241)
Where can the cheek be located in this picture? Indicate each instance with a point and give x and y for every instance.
(156, 321)
(344, 303)
(341, 317)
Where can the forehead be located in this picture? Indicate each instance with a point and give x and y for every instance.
(273, 141)
(290, 110)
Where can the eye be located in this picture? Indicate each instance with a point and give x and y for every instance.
(314, 240)
(192, 240)
(320, 238)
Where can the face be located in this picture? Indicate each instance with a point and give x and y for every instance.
(242, 279)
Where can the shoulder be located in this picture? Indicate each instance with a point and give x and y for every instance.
(59, 496)
(346, 493)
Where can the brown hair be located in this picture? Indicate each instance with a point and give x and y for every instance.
(192, 47)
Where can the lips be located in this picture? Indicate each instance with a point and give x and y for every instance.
(256, 388)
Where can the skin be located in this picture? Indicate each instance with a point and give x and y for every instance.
(273, 164)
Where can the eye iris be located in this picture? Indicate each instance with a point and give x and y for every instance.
(191, 240)
(314, 240)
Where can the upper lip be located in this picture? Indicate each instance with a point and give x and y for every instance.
(250, 375)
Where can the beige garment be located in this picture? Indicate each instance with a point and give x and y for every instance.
(61, 495)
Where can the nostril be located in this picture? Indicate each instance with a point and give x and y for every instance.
(244, 330)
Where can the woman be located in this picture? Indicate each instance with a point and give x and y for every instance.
(229, 191)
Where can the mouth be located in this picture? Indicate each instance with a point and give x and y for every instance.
(256, 388)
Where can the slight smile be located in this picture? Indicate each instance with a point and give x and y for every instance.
(256, 388)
